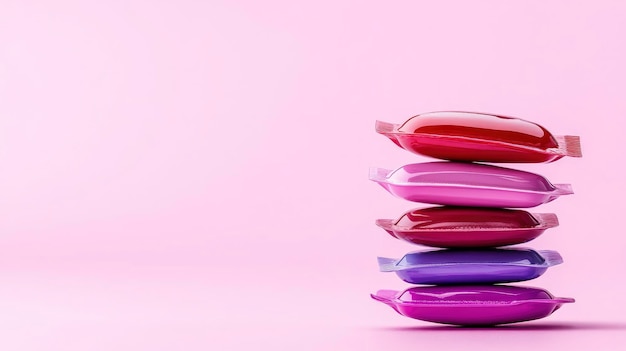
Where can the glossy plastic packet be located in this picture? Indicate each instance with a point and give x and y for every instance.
(470, 266)
(464, 227)
(470, 136)
(472, 305)
(468, 184)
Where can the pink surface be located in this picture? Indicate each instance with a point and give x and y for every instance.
(168, 166)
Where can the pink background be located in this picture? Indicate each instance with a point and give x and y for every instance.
(192, 175)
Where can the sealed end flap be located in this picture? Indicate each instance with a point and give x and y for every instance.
(564, 299)
(387, 225)
(388, 130)
(547, 220)
(563, 189)
(387, 264)
(379, 175)
(552, 257)
(569, 145)
(385, 128)
(552, 301)
(386, 296)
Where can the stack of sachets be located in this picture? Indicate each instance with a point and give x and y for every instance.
(476, 219)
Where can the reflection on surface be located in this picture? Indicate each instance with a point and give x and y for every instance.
(515, 327)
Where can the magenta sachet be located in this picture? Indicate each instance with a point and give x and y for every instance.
(472, 305)
(468, 184)
(472, 136)
(464, 227)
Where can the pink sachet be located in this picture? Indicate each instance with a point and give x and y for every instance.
(468, 184)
